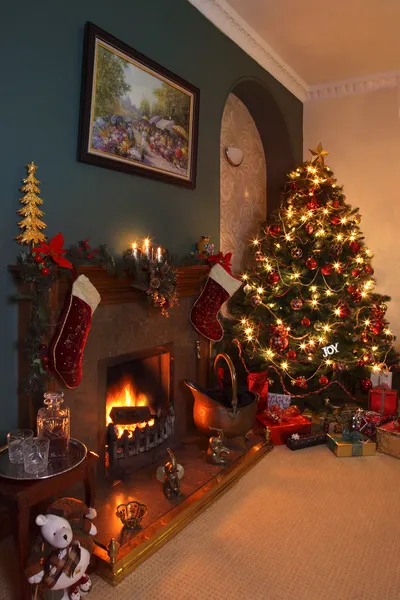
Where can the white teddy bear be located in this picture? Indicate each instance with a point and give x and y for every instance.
(61, 554)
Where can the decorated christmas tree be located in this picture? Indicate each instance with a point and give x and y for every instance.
(31, 212)
(308, 309)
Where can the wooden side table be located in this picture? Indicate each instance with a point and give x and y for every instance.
(21, 496)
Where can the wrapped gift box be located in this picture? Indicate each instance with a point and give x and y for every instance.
(366, 422)
(388, 439)
(258, 384)
(281, 431)
(281, 400)
(356, 447)
(298, 441)
(383, 401)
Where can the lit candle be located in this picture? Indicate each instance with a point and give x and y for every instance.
(146, 247)
(134, 250)
(159, 254)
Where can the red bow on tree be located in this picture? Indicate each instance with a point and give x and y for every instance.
(221, 259)
(54, 250)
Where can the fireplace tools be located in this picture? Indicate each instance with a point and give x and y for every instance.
(171, 474)
(217, 453)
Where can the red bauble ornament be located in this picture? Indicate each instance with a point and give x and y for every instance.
(311, 263)
(336, 204)
(352, 289)
(279, 342)
(309, 228)
(296, 303)
(291, 355)
(356, 296)
(45, 360)
(45, 271)
(306, 322)
(335, 220)
(368, 269)
(45, 366)
(327, 269)
(313, 204)
(354, 247)
(38, 258)
(43, 348)
(273, 278)
(301, 382)
(360, 363)
(355, 272)
(259, 256)
(377, 327)
(323, 380)
(365, 384)
(344, 311)
(275, 230)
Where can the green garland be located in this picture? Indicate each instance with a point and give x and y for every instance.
(158, 280)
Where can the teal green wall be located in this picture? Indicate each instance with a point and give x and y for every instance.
(40, 66)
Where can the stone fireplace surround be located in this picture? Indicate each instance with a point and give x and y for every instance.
(124, 323)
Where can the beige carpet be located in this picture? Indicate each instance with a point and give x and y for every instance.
(300, 525)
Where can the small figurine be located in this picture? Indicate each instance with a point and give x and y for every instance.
(217, 453)
(267, 434)
(171, 474)
(62, 552)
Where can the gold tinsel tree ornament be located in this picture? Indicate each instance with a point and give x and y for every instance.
(31, 223)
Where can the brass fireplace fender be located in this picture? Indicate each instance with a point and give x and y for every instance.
(114, 569)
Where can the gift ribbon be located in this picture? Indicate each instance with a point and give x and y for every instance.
(355, 438)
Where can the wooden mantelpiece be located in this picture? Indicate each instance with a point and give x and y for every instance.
(113, 290)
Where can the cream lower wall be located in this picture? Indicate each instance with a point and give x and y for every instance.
(362, 134)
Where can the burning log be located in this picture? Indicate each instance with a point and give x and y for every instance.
(129, 415)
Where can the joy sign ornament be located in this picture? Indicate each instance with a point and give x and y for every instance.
(329, 350)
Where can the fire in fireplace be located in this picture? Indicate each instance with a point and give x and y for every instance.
(139, 410)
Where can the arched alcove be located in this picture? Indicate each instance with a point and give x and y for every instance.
(243, 187)
(274, 134)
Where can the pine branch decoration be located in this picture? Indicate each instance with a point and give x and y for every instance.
(31, 223)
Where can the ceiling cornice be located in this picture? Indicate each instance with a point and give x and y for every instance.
(225, 18)
(359, 85)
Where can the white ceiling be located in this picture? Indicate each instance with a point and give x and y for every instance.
(328, 41)
(317, 49)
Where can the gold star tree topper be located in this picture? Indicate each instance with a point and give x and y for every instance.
(31, 212)
(318, 155)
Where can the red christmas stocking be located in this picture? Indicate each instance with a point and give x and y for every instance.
(67, 348)
(220, 286)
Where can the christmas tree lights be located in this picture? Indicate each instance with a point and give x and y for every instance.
(309, 309)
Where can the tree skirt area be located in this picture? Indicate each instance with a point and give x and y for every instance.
(300, 525)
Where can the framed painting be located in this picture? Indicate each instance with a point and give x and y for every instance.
(136, 116)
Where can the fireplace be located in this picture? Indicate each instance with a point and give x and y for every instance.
(139, 411)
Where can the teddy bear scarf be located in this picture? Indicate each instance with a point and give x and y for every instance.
(58, 562)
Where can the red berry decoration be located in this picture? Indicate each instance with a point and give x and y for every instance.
(274, 230)
(38, 258)
(354, 247)
(45, 360)
(313, 204)
(309, 228)
(365, 384)
(323, 380)
(377, 328)
(273, 278)
(45, 366)
(291, 355)
(43, 348)
(360, 363)
(344, 311)
(45, 271)
(335, 220)
(368, 269)
(306, 322)
(311, 263)
(356, 296)
(327, 269)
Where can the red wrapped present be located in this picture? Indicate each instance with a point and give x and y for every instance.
(258, 384)
(366, 422)
(283, 423)
(383, 400)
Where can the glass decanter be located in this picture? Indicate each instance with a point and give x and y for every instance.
(53, 422)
